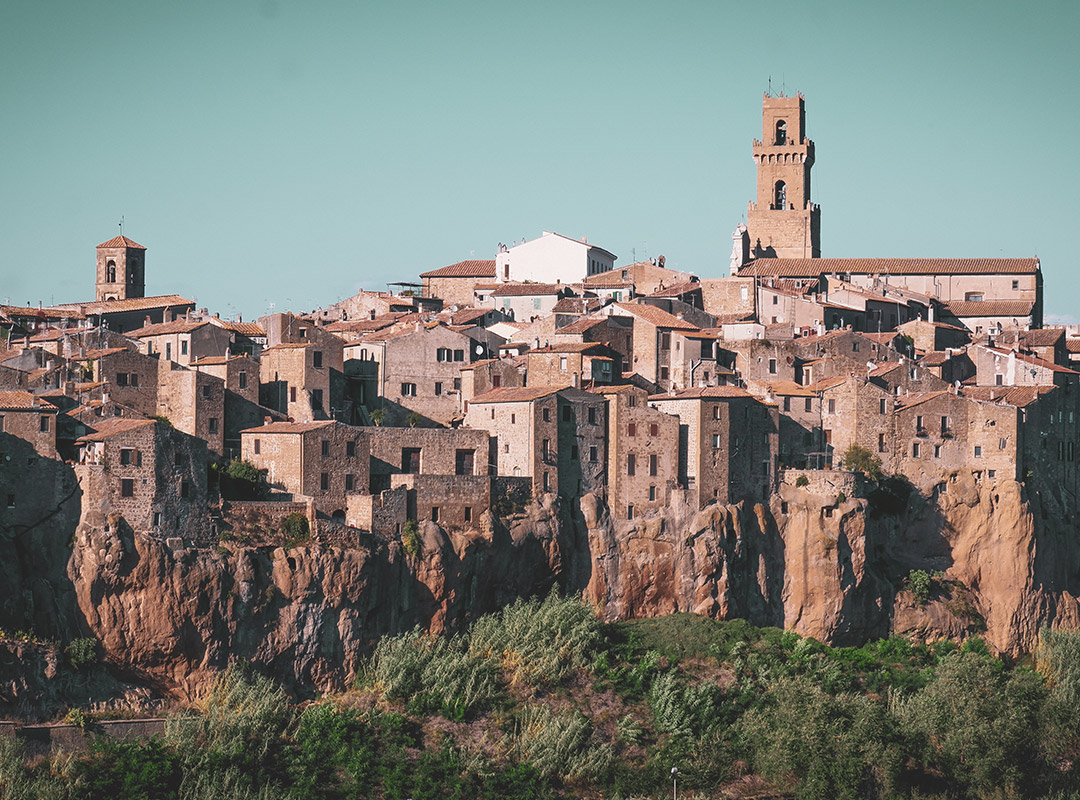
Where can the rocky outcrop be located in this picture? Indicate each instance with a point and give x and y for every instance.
(826, 565)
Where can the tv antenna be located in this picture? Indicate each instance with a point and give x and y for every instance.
(121, 224)
(769, 92)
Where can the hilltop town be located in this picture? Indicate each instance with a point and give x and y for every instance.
(547, 370)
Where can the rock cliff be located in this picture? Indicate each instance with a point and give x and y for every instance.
(826, 565)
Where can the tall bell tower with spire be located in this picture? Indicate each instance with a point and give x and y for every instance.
(782, 221)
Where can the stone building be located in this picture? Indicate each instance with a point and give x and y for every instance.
(193, 402)
(523, 302)
(643, 452)
(783, 222)
(152, 475)
(240, 380)
(455, 284)
(132, 312)
(574, 364)
(728, 443)
(325, 460)
(295, 379)
(30, 418)
(801, 444)
(132, 376)
(995, 366)
(445, 472)
(182, 341)
(662, 350)
(639, 278)
(489, 373)
(854, 411)
(121, 269)
(551, 258)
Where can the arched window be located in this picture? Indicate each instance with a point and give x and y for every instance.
(780, 200)
(781, 132)
(110, 272)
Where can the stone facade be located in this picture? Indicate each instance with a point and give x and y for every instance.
(427, 451)
(194, 402)
(121, 269)
(295, 380)
(30, 418)
(183, 341)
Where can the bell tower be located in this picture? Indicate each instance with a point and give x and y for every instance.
(120, 269)
(782, 222)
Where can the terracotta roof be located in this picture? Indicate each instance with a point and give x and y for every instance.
(243, 328)
(616, 388)
(131, 304)
(112, 426)
(475, 268)
(466, 315)
(912, 400)
(582, 325)
(524, 394)
(210, 361)
(121, 241)
(678, 289)
(935, 358)
(290, 427)
(883, 369)
(1042, 337)
(827, 383)
(656, 316)
(788, 389)
(571, 347)
(1018, 396)
(990, 308)
(288, 346)
(812, 267)
(10, 401)
(27, 312)
(1072, 345)
(527, 289)
(704, 393)
(1038, 362)
(576, 305)
(164, 328)
(90, 355)
(886, 337)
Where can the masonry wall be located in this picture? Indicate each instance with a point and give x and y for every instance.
(142, 397)
(291, 384)
(438, 447)
(26, 424)
(582, 444)
(194, 402)
(336, 465)
(383, 514)
(647, 434)
(452, 501)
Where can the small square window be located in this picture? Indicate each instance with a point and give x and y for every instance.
(185, 489)
(316, 359)
(127, 487)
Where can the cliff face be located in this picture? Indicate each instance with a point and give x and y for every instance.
(170, 619)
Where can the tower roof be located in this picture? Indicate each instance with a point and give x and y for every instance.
(121, 241)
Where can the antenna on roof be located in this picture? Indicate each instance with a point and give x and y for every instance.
(121, 224)
(769, 92)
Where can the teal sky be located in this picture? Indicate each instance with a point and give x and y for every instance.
(274, 152)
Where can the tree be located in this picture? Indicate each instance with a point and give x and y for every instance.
(858, 459)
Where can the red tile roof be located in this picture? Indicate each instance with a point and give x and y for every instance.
(990, 308)
(11, 401)
(678, 289)
(1038, 362)
(165, 328)
(248, 329)
(788, 389)
(656, 316)
(290, 427)
(812, 267)
(576, 305)
(1018, 396)
(475, 268)
(883, 369)
(704, 393)
(112, 426)
(1072, 345)
(527, 289)
(28, 312)
(121, 241)
(935, 358)
(130, 304)
(524, 394)
(580, 325)
(912, 400)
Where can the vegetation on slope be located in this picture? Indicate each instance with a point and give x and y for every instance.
(539, 700)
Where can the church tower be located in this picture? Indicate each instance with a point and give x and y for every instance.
(120, 269)
(782, 222)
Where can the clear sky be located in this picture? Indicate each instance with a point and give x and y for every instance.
(280, 152)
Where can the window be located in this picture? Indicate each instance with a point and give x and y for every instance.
(775, 299)
(944, 425)
(780, 195)
(881, 442)
(881, 406)
(937, 451)
(545, 449)
(121, 379)
(772, 366)
(324, 481)
(213, 425)
(127, 457)
(998, 380)
(459, 355)
(654, 465)
(716, 441)
(592, 415)
(1016, 284)
(832, 406)
(808, 405)
(168, 351)
(43, 424)
(978, 451)
(241, 380)
(438, 388)
(1002, 444)
(185, 489)
(787, 404)
(631, 429)
(1, 422)
(631, 401)
(410, 460)
(716, 412)
(434, 513)
(127, 487)
(513, 419)
(316, 399)
(854, 347)
(443, 354)
(468, 513)
(350, 449)
(110, 272)
(464, 461)
(547, 483)
(566, 414)
(631, 464)
(325, 448)
(350, 482)
(183, 347)
(781, 132)
(915, 450)
(157, 518)
(630, 511)
(546, 414)
(562, 363)
(536, 303)
(292, 394)
(408, 390)
(654, 429)
(663, 373)
(593, 455)
(457, 384)
(973, 297)
(316, 359)
(257, 446)
(652, 494)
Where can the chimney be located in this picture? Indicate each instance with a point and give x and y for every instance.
(267, 420)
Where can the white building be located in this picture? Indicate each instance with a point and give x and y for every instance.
(553, 258)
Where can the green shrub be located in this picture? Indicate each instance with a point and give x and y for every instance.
(295, 529)
(242, 480)
(858, 459)
(801, 481)
(410, 538)
(82, 652)
(919, 581)
(561, 745)
(538, 642)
